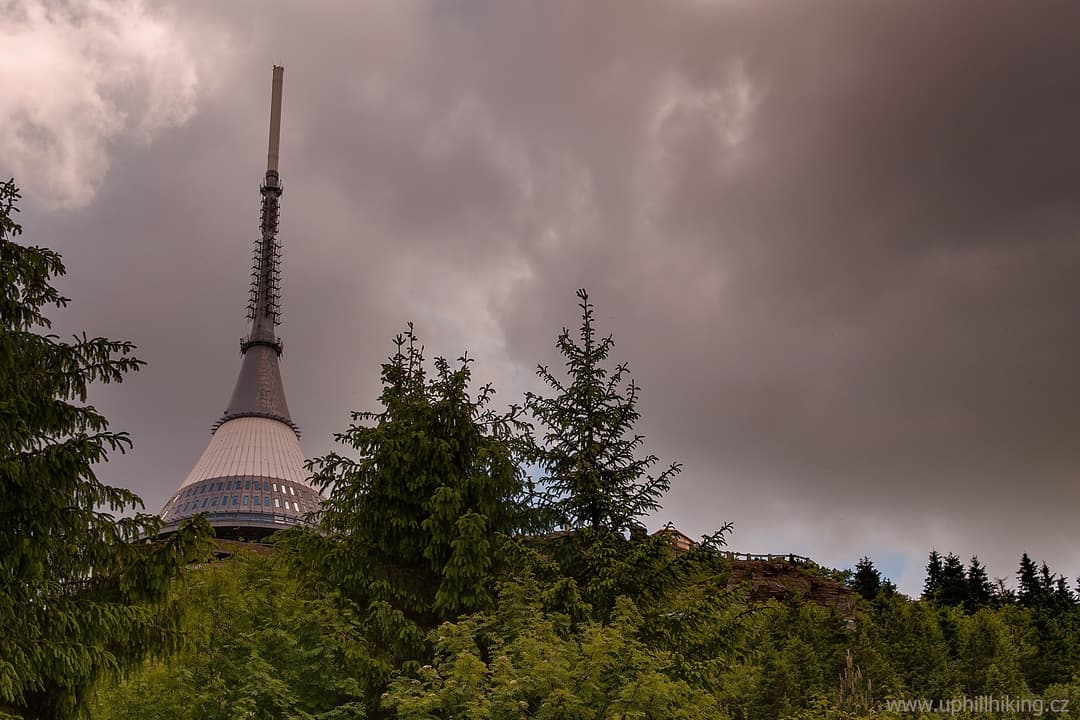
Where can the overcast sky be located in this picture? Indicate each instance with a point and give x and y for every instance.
(837, 242)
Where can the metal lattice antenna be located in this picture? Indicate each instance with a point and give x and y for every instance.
(264, 302)
(258, 391)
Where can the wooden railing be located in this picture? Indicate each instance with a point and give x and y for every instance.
(758, 557)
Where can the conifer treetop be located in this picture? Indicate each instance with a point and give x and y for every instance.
(590, 452)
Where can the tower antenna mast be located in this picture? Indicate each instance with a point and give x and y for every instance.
(264, 302)
(275, 122)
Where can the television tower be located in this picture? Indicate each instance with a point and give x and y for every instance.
(250, 481)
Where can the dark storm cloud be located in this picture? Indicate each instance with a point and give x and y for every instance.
(836, 241)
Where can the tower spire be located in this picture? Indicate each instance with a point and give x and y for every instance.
(259, 391)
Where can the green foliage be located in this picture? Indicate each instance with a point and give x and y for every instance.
(412, 530)
(867, 579)
(804, 652)
(933, 576)
(980, 591)
(601, 488)
(80, 597)
(989, 660)
(1031, 592)
(256, 647)
(605, 565)
(949, 584)
(953, 586)
(535, 668)
(912, 636)
(590, 452)
(1042, 617)
(699, 621)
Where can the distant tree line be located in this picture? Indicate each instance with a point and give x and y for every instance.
(1041, 616)
(949, 583)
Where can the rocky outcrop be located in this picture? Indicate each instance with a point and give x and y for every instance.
(777, 579)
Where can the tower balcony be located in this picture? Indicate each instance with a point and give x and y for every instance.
(248, 341)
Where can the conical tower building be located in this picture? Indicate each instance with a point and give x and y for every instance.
(250, 480)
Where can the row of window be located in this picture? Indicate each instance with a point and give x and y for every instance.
(277, 518)
(264, 485)
(257, 501)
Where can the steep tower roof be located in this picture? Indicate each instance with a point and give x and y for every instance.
(250, 479)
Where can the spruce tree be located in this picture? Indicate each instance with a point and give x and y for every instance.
(80, 596)
(410, 532)
(1029, 593)
(1003, 594)
(590, 451)
(1063, 596)
(601, 483)
(953, 589)
(1054, 591)
(1046, 580)
(980, 590)
(867, 579)
(933, 576)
